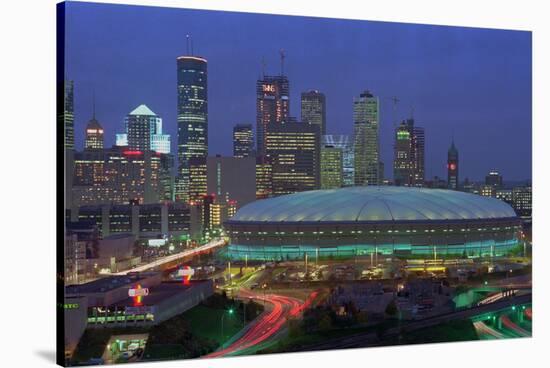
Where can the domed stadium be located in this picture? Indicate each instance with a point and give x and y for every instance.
(358, 221)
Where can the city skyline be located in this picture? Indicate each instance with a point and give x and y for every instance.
(475, 109)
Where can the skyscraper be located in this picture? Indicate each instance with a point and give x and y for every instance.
(192, 117)
(494, 179)
(313, 108)
(452, 167)
(272, 106)
(331, 167)
(94, 135)
(345, 143)
(366, 139)
(141, 125)
(264, 177)
(145, 128)
(408, 163)
(294, 151)
(243, 141)
(67, 115)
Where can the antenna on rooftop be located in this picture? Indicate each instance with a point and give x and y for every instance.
(263, 66)
(93, 103)
(187, 41)
(282, 53)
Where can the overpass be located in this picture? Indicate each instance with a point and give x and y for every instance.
(372, 338)
(173, 258)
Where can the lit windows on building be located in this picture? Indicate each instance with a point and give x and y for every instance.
(313, 109)
(522, 201)
(408, 162)
(197, 178)
(488, 191)
(243, 140)
(366, 140)
(192, 110)
(345, 143)
(272, 106)
(264, 177)
(294, 150)
(94, 135)
(331, 167)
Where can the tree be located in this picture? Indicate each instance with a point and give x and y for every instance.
(391, 309)
(325, 323)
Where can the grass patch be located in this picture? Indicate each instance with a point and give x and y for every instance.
(205, 322)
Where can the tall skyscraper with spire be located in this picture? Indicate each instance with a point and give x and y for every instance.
(94, 133)
(272, 104)
(452, 167)
(192, 108)
(366, 143)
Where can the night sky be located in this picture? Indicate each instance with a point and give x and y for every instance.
(472, 83)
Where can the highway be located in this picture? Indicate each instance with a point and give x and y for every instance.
(364, 339)
(174, 257)
(483, 330)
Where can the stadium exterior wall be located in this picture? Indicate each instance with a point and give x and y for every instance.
(444, 223)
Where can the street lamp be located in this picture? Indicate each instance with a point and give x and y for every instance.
(230, 312)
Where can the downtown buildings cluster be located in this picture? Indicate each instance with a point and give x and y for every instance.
(140, 187)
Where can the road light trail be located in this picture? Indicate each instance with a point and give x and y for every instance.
(529, 314)
(174, 257)
(513, 327)
(269, 324)
(483, 329)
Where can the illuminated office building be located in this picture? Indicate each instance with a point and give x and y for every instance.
(143, 132)
(192, 110)
(522, 198)
(121, 176)
(331, 167)
(452, 167)
(94, 135)
(488, 191)
(366, 139)
(264, 177)
(243, 140)
(313, 108)
(408, 162)
(66, 115)
(494, 179)
(272, 106)
(345, 143)
(294, 151)
(197, 178)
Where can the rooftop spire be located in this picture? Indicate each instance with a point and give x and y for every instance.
(282, 53)
(93, 104)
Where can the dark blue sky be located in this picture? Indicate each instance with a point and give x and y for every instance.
(473, 83)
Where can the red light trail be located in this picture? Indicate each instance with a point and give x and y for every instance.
(269, 324)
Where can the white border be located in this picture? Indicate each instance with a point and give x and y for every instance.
(27, 82)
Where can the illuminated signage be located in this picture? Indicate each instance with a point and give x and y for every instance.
(186, 273)
(71, 306)
(452, 166)
(268, 87)
(139, 291)
(156, 242)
